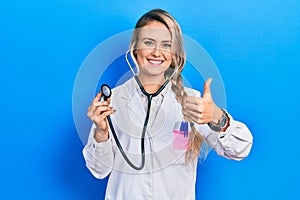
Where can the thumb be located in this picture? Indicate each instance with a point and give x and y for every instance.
(207, 87)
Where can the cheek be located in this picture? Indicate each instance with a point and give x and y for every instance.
(168, 57)
(140, 54)
(138, 58)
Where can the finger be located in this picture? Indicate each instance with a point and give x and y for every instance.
(206, 91)
(97, 107)
(91, 112)
(197, 117)
(100, 110)
(105, 114)
(100, 103)
(94, 105)
(193, 100)
(100, 115)
(98, 97)
(108, 100)
(196, 104)
(193, 117)
(192, 107)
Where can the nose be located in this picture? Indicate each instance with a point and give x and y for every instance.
(156, 51)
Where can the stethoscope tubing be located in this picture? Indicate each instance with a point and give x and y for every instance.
(149, 98)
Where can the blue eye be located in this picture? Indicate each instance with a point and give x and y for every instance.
(148, 43)
(167, 45)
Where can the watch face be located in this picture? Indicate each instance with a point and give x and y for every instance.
(223, 121)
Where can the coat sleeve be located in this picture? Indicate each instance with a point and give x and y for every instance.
(235, 143)
(98, 156)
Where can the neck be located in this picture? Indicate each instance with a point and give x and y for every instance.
(151, 85)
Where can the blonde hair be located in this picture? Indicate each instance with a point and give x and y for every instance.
(178, 62)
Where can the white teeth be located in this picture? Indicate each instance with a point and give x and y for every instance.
(155, 62)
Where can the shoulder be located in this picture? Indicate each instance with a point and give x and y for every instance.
(125, 88)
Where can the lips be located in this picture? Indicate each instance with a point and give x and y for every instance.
(155, 62)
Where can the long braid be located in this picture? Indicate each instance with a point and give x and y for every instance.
(195, 139)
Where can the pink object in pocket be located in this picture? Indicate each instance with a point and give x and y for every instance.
(179, 141)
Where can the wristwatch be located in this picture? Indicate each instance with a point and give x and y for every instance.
(221, 123)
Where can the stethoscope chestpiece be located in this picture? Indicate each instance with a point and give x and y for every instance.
(106, 91)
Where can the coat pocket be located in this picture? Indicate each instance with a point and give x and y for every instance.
(180, 141)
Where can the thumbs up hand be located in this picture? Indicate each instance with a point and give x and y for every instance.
(202, 110)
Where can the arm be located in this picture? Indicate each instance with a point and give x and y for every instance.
(234, 143)
(99, 156)
(98, 152)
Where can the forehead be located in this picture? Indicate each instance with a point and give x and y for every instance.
(155, 30)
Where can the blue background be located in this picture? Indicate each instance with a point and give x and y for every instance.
(255, 45)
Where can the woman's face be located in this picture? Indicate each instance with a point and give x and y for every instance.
(153, 51)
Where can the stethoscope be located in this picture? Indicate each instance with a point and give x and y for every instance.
(106, 93)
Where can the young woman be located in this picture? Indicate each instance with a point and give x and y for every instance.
(179, 121)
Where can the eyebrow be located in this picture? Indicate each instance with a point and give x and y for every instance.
(148, 38)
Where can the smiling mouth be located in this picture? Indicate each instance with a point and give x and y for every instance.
(155, 62)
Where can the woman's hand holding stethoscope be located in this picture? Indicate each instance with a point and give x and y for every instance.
(98, 112)
(202, 110)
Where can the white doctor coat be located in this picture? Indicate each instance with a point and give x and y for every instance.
(165, 175)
